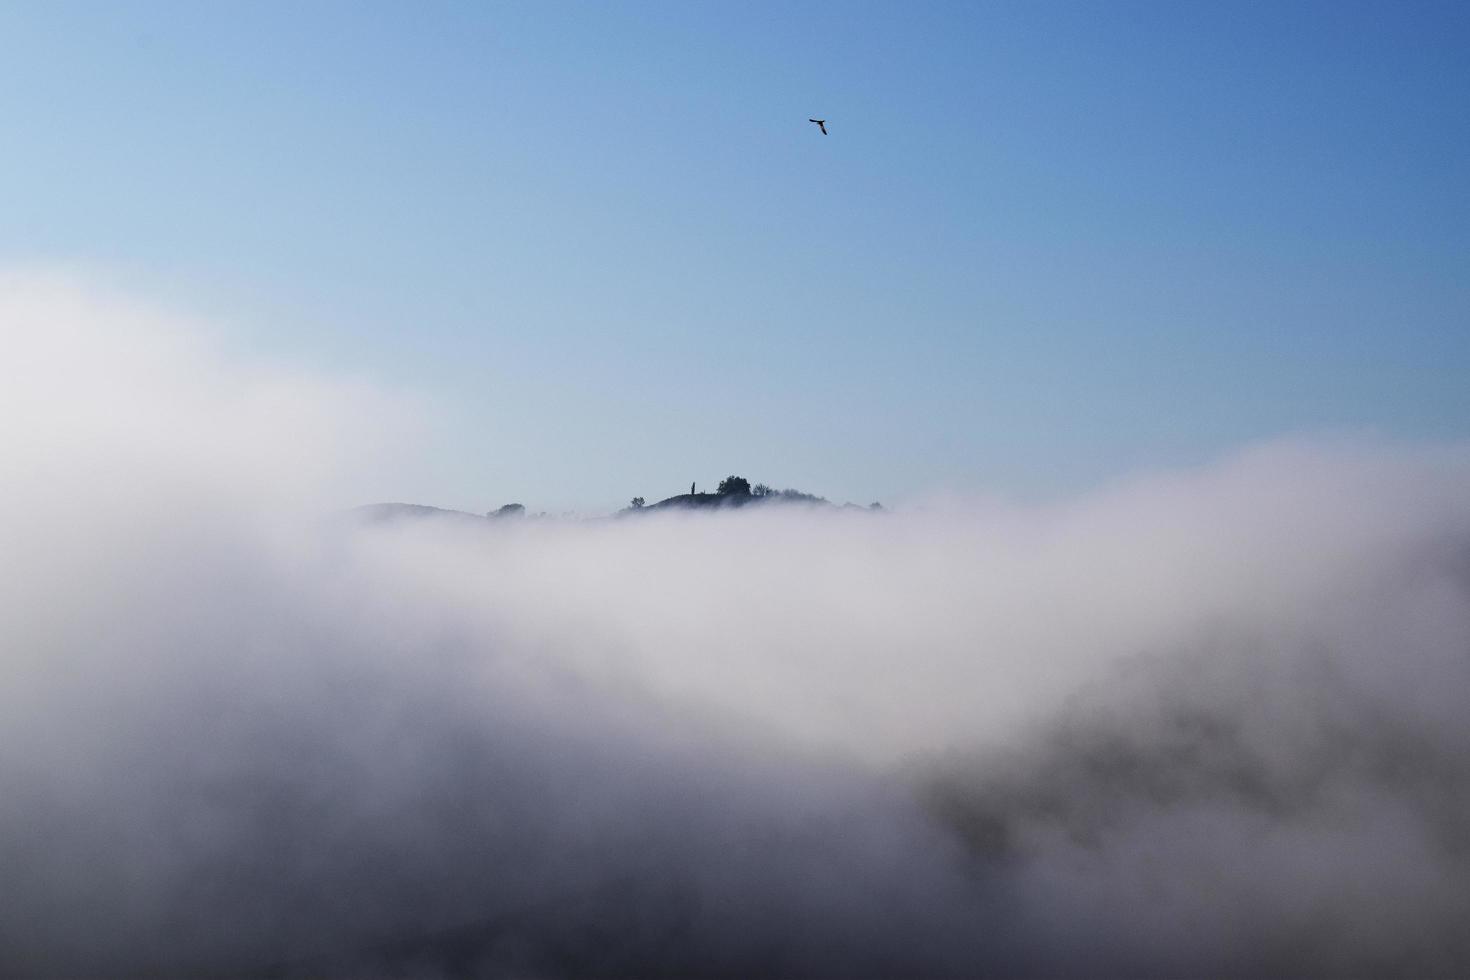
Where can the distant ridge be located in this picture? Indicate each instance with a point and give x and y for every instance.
(733, 492)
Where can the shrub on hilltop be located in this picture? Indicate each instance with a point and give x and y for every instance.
(734, 486)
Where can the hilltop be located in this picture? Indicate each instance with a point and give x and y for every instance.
(733, 491)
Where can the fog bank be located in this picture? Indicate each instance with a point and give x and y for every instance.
(1206, 722)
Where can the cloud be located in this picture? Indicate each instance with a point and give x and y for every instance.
(1207, 722)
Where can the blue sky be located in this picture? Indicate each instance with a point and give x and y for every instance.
(1044, 245)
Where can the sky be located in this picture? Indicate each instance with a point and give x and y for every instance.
(1043, 245)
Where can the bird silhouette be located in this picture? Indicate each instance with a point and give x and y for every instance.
(821, 124)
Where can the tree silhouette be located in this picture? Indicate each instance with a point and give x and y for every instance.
(636, 503)
(734, 486)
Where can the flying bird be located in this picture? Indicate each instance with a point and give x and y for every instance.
(821, 124)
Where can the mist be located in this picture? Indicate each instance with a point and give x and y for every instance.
(1204, 722)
